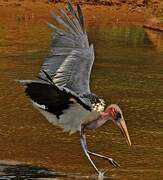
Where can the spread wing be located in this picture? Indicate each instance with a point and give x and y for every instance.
(70, 61)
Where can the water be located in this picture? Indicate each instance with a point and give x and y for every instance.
(127, 71)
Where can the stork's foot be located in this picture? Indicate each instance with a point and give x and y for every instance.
(101, 174)
(113, 163)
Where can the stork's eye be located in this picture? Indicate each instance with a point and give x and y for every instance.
(118, 116)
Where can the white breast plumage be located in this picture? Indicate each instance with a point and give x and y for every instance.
(71, 119)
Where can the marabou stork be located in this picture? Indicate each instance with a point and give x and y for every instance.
(62, 92)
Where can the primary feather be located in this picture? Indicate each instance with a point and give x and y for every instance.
(71, 58)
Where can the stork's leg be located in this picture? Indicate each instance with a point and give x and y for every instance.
(84, 146)
(111, 161)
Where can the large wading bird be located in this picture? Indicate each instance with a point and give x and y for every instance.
(62, 92)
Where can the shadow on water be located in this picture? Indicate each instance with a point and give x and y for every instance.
(20, 171)
(23, 171)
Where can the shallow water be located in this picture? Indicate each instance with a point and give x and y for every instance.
(127, 71)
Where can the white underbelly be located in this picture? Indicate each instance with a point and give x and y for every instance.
(71, 119)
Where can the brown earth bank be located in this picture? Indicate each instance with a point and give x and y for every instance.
(145, 12)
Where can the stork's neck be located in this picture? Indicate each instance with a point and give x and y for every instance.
(102, 119)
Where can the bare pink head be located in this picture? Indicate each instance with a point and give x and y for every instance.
(114, 113)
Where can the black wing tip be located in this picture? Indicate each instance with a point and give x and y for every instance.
(81, 17)
(69, 3)
(78, 15)
(78, 6)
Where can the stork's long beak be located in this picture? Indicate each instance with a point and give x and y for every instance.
(122, 125)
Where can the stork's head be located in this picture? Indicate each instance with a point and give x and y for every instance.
(114, 113)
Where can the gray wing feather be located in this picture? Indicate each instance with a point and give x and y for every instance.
(75, 71)
(71, 58)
